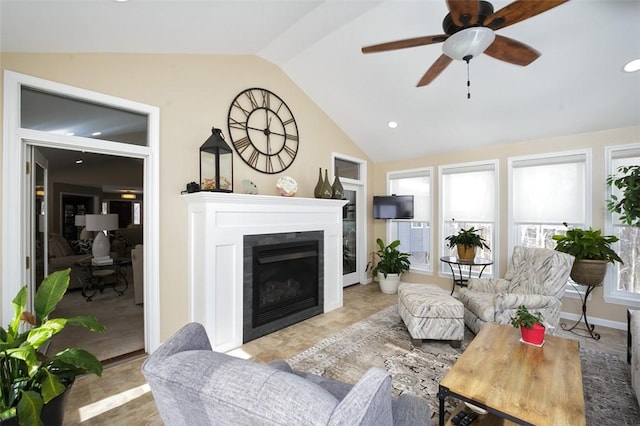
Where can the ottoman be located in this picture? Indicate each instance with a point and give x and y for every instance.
(430, 312)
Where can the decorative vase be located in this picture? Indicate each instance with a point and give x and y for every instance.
(317, 192)
(326, 186)
(337, 191)
(467, 253)
(534, 335)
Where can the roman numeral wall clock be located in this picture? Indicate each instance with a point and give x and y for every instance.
(263, 130)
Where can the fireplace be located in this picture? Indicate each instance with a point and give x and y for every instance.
(283, 282)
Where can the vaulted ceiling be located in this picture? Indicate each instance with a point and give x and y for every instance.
(577, 85)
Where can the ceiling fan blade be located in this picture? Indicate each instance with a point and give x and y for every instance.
(512, 51)
(438, 66)
(518, 11)
(403, 44)
(464, 12)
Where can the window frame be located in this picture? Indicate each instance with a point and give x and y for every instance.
(572, 290)
(391, 228)
(493, 165)
(610, 292)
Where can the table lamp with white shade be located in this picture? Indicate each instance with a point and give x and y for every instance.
(81, 222)
(101, 223)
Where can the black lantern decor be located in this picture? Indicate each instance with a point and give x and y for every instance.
(216, 164)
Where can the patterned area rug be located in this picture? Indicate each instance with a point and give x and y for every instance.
(383, 341)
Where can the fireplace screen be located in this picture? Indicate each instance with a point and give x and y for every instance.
(283, 285)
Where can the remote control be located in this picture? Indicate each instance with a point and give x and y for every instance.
(458, 417)
(467, 419)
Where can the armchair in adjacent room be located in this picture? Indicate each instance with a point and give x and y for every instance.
(535, 278)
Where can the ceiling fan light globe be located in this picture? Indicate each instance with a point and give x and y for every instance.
(468, 42)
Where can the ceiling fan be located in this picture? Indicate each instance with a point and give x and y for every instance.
(469, 31)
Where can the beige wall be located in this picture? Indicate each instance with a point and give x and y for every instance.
(596, 141)
(193, 93)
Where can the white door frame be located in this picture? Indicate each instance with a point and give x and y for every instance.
(14, 193)
(360, 186)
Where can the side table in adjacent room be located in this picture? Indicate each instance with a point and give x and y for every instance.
(462, 267)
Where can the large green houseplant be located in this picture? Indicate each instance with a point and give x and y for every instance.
(390, 266)
(592, 252)
(467, 241)
(28, 378)
(627, 180)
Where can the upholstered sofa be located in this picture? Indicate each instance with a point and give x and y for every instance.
(62, 256)
(193, 385)
(633, 350)
(125, 239)
(536, 278)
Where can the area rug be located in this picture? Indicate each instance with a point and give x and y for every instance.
(382, 341)
(123, 319)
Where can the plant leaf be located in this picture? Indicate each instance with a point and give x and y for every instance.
(78, 358)
(40, 335)
(51, 386)
(87, 321)
(50, 293)
(29, 408)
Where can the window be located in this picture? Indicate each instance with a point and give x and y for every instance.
(414, 234)
(544, 192)
(622, 284)
(468, 198)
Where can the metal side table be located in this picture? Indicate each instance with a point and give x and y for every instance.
(459, 278)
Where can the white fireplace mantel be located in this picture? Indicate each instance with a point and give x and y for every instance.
(217, 224)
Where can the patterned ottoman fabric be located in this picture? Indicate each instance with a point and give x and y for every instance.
(430, 312)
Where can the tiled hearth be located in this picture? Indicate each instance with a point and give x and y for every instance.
(218, 223)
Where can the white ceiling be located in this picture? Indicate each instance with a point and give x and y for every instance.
(576, 86)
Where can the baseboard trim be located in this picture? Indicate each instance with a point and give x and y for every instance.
(596, 321)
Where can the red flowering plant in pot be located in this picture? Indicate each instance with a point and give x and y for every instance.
(531, 325)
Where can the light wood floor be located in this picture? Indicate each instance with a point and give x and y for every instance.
(122, 397)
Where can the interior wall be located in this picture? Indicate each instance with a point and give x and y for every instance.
(194, 93)
(596, 141)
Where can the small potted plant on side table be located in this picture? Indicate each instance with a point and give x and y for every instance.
(530, 324)
(34, 386)
(466, 242)
(391, 265)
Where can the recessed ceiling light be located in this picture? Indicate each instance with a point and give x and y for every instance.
(632, 66)
(392, 124)
(96, 133)
(80, 161)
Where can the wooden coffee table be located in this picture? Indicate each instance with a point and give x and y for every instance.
(518, 382)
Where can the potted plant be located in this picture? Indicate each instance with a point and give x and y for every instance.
(31, 383)
(592, 252)
(627, 180)
(467, 241)
(392, 263)
(531, 325)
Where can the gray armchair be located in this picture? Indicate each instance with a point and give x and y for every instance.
(193, 385)
(535, 278)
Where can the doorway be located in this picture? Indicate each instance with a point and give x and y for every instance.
(352, 174)
(17, 244)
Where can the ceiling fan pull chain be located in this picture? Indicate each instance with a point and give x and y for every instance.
(466, 59)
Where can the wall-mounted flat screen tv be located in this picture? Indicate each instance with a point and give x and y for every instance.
(393, 206)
